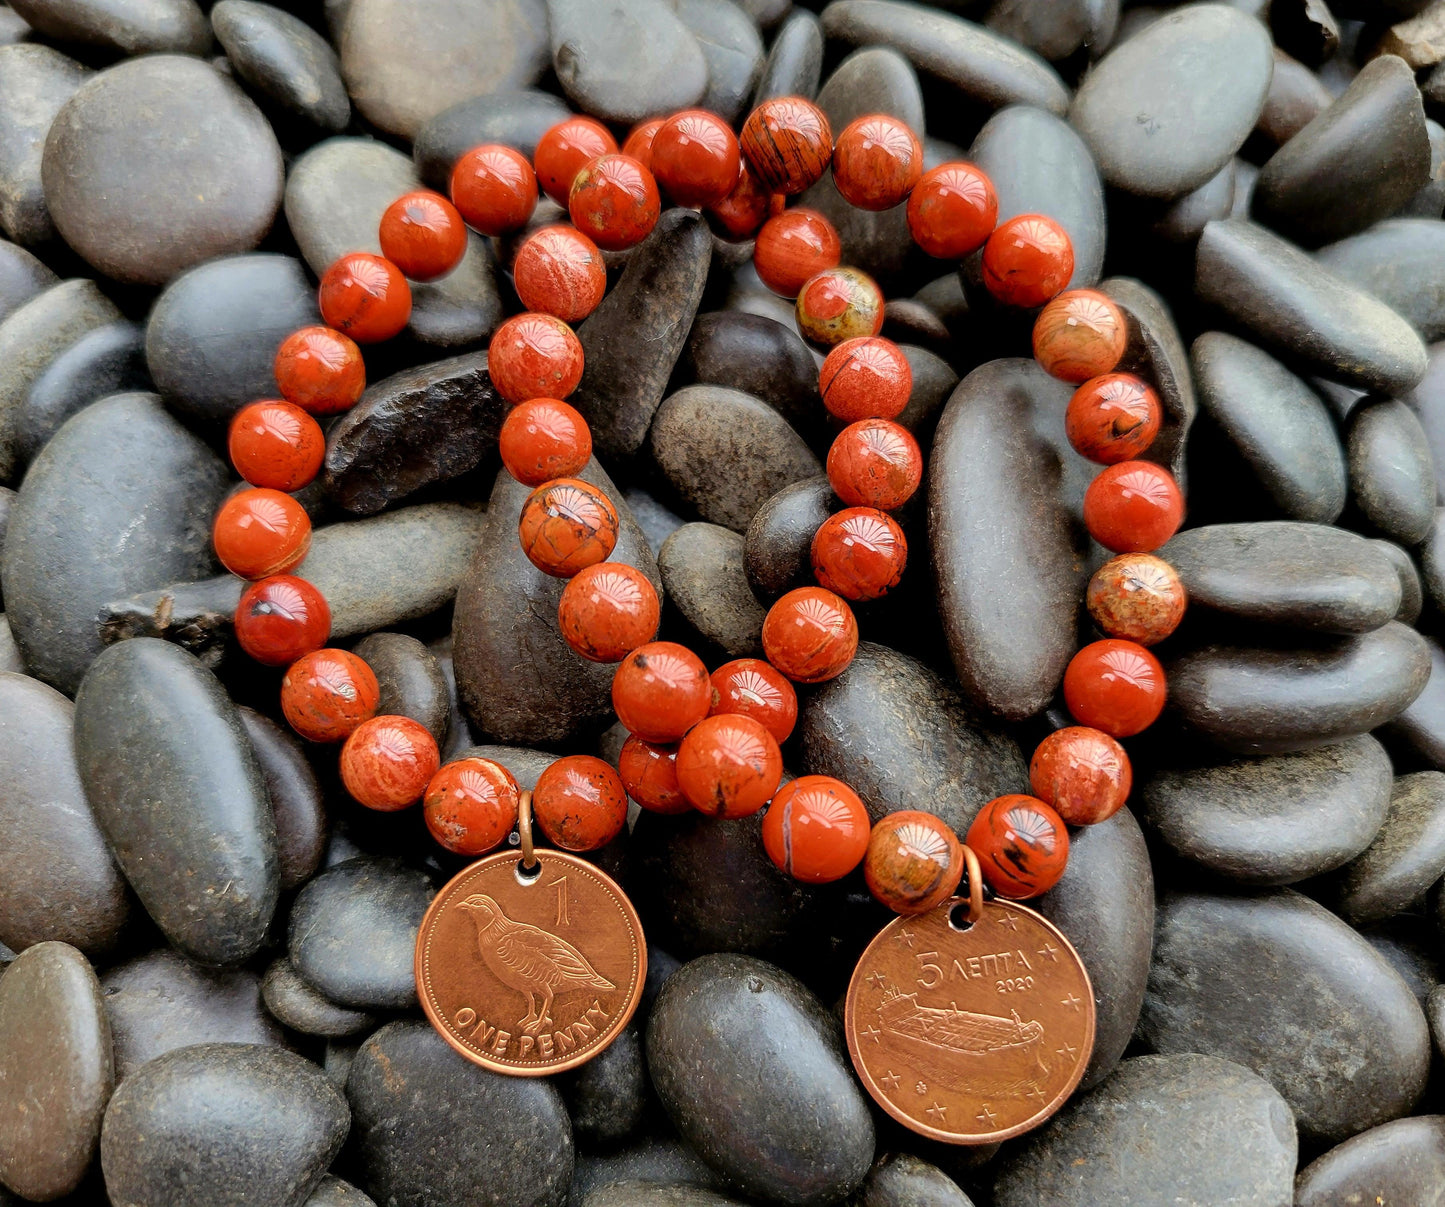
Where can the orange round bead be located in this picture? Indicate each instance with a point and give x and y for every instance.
(1027, 260)
(859, 553)
(1136, 596)
(565, 148)
(614, 201)
(639, 141)
(794, 247)
(810, 635)
(1133, 507)
(952, 210)
(839, 304)
(1080, 334)
(388, 761)
(494, 188)
(275, 444)
(320, 370)
(366, 297)
(326, 694)
(542, 439)
(471, 805)
(649, 772)
(423, 235)
(660, 691)
(816, 829)
(559, 271)
(1112, 418)
(534, 356)
(744, 209)
(913, 862)
(566, 526)
(875, 463)
(260, 532)
(580, 803)
(877, 160)
(1116, 686)
(729, 766)
(695, 157)
(607, 611)
(788, 143)
(1082, 774)
(281, 618)
(1022, 846)
(753, 688)
(865, 378)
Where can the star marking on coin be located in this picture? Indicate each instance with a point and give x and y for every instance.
(1071, 1002)
(904, 935)
(1049, 950)
(1009, 919)
(921, 1088)
(986, 1116)
(936, 1112)
(878, 979)
(1068, 1051)
(873, 1033)
(1035, 1092)
(891, 1081)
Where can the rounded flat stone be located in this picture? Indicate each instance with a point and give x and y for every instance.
(295, 797)
(1056, 31)
(22, 276)
(1402, 262)
(35, 81)
(1406, 857)
(108, 360)
(1398, 1162)
(702, 572)
(129, 27)
(289, 66)
(758, 356)
(1392, 473)
(795, 59)
(410, 679)
(777, 547)
(607, 1096)
(296, 1004)
(732, 51)
(514, 119)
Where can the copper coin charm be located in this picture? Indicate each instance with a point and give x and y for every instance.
(530, 971)
(970, 1033)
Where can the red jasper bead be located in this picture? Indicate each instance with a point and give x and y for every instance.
(875, 463)
(1136, 596)
(366, 297)
(542, 439)
(859, 553)
(816, 829)
(494, 189)
(565, 148)
(320, 370)
(639, 141)
(281, 618)
(744, 209)
(695, 157)
(753, 688)
(559, 271)
(566, 526)
(793, 247)
(788, 143)
(1027, 260)
(1022, 846)
(423, 235)
(580, 803)
(913, 862)
(729, 766)
(839, 304)
(865, 378)
(810, 635)
(1112, 418)
(615, 202)
(471, 805)
(660, 691)
(388, 761)
(326, 694)
(534, 356)
(877, 160)
(1116, 686)
(1082, 774)
(275, 444)
(1133, 507)
(1080, 334)
(649, 773)
(607, 611)
(261, 532)
(952, 210)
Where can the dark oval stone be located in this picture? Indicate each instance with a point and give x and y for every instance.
(1407, 943)
(901, 1180)
(290, 68)
(758, 356)
(794, 65)
(777, 545)
(411, 681)
(35, 81)
(1358, 161)
(333, 1192)
(1411, 592)
(702, 571)
(525, 764)
(459, 734)
(657, 1162)
(1183, 220)
(933, 381)
(1430, 200)
(1399, 1162)
(1188, 1127)
(1406, 857)
(1058, 30)
(302, 1008)
(212, 335)
(515, 119)
(22, 277)
(732, 51)
(1295, 98)
(175, 786)
(57, 878)
(652, 1194)
(430, 1126)
(222, 1123)
(295, 797)
(1279, 984)
(1392, 474)
(1421, 727)
(108, 360)
(606, 1097)
(1401, 262)
(782, 1119)
(131, 27)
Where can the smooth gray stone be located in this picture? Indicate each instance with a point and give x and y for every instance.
(1421, 727)
(1296, 306)
(459, 733)
(758, 356)
(1430, 200)
(1279, 426)
(933, 381)
(794, 66)
(1184, 1129)
(13, 27)
(1432, 558)
(10, 660)
(410, 680)
(469, 1135)
(1295, 98)
(142, 209)
(901, 1180)
(220, 1125)
(120, 500)
(108, 360)
(732, 51)
(702, 571)
(525, 764)
(984, 68)
(56, 1071)
(1056, 30)
(57, 878)
(333, 1192)
(1184, 219)
(1411, 591)
(655, 520)
(777, 547)
(1166, 109)
(1392, 474)
(651, 1194)
(1398, 1162)
(1275, 819)
(1279, 984)
(401, 72)
(288, 66)
(161, 1001)
(1358, 161)
(293, 1002)
(1402, 262)
(656, 1160)
(1435, 1015)
(622, 63)
(22, 276)
(1407, 943)
(783, 1120)
(1427, 400)
(35, 81)
(212, 335)
(1406, 857)
(129, 27)
(515, 119)
(295, 798)
(607, 1096)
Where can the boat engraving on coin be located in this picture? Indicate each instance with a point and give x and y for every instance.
(970, 1035)
(527, 974)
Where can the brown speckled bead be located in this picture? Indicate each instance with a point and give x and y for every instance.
(1079, 335)
(838, 304)
(1138, 597)
(1083, 774)
(914, 862)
